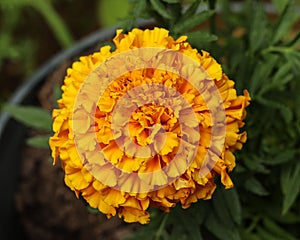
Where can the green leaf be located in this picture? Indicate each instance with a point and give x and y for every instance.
(179, 230)
(39, 141)
(273, 211)
(250, 236)
(265, 235)
(261, 74)
(190, 11)
(285, 111)
(294, 57)
(200, 212)
(254, 186)
(199, 38)
(233, 205)
(285, 22)
(227, 206)
(258, 28)
(57, 92)
(276, 230)
(280, 4)
(190, 226)
(193, 21)
(254, 165)
(294, 42)
(282, 77)
(34, 117)
(139, 8)
(160, 8)
(149, 231)
(290, 185)
(218, 229)
(282, 73)
(281, 157)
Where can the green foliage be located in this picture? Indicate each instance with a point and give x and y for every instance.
(34, 117)
(266, 61)
(39, 141)
(19, 47)
(290, 185)
(192, 21)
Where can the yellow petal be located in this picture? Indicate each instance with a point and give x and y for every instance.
(134, 215)
(113, 153)
(169, 142)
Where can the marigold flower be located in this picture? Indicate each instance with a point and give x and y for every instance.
(148, 138)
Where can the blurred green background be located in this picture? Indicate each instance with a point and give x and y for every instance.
(31, 31)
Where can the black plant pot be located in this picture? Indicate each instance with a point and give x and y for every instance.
(12, 133)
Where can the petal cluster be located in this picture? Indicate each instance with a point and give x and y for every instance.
(153, 126)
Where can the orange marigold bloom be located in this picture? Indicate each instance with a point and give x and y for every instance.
(153, 130)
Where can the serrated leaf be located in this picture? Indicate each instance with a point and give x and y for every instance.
(254, 186)
(193, 21)
(284, 24)
(39, 141)
(290, 185)
(34, 117)
(199, 38)
(220, 230)
(159, 7)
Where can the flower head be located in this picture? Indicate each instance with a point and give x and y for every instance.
(148, 124)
